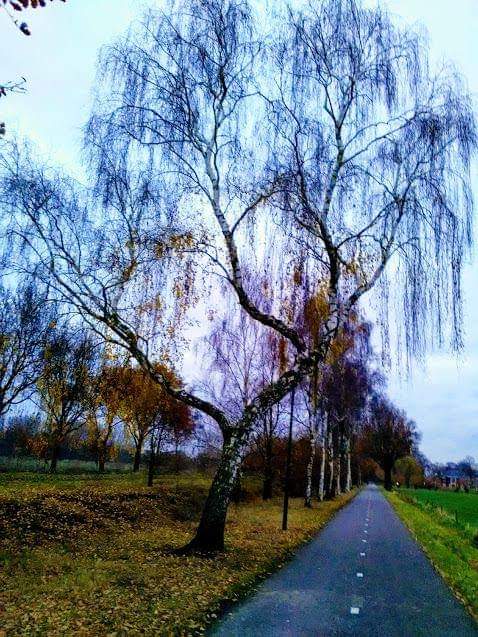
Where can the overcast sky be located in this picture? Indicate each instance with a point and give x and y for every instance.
(58, 61)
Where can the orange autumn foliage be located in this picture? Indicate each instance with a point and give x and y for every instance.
(130, 394)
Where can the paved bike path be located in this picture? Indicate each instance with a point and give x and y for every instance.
(363, 575)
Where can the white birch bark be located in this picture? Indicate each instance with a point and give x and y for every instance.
(331, 460)
(310, 467)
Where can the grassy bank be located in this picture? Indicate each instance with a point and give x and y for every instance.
(98, 559)
(450, 546)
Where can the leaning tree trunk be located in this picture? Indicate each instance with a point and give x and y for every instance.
(236, 495)
(210, 532)
(309, 471)
(137, 454)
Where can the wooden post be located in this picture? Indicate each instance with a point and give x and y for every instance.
(285, 511)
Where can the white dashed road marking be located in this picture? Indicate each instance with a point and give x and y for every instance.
(357, 602)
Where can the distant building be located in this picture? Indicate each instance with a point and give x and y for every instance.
(453, 475)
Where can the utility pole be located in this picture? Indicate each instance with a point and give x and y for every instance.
(288, 464)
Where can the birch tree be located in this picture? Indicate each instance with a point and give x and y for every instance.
(334, 131)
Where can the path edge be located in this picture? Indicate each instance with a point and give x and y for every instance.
(273, 566)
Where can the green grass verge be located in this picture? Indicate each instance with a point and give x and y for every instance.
(449, 546)
(100, 559)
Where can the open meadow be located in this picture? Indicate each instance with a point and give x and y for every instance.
(90, 556)
(462, 506)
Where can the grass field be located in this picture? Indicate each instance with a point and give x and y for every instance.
(31, 483)
(84, 556)
(461, 506)
(32, 465)
(430, 516)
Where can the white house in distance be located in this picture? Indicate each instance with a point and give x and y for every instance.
(456, 475)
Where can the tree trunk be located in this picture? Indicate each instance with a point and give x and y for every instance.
(348, 480)
(331, 465)
(338, 475)
(55, 454)
(101, 456)
(309, 471)
(387, 469)
(268, 482)
(323, 459)
(236, 495)
(151, 463)
(210, 532)
(137, 454)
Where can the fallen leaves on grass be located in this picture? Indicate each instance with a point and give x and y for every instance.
(123, 578)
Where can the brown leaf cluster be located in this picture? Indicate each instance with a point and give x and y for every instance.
(35, 519)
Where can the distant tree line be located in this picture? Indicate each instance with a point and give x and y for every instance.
(78, 400)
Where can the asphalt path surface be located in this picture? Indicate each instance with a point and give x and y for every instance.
(363, 575)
